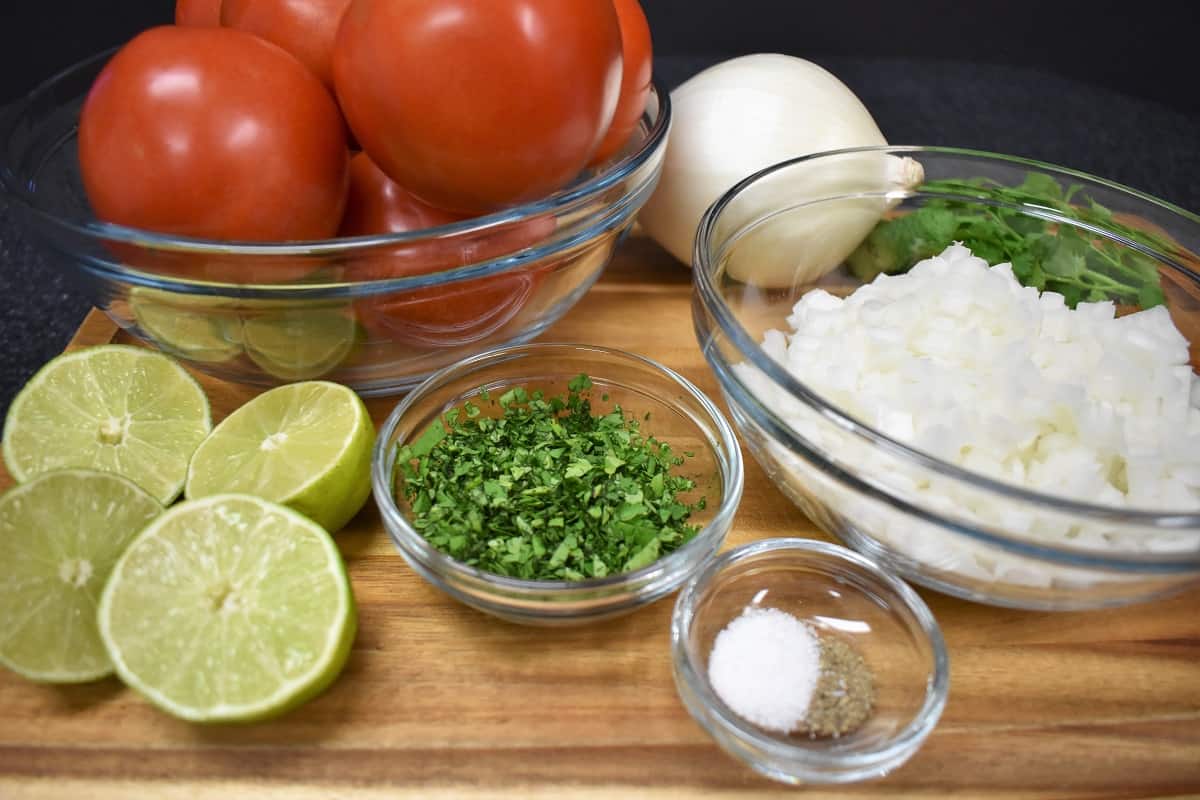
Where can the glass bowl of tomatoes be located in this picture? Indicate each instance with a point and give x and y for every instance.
(377, 312)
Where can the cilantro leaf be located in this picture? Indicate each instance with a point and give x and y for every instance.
(1045, 255)
(547, 490)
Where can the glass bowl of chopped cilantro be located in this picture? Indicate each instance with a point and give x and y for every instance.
(808, 662)
(557, 483)
(977, 369)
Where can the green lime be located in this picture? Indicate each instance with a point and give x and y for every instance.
(306, 445)
(196, 328)
(113, 408)
(300, 343)
(228, 608)
(60, 535)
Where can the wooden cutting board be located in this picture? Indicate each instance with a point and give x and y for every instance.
(441, 701)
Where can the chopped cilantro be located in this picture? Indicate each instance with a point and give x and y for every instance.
(1044, 255)
(542, 489)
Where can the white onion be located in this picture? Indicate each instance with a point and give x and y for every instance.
(742, 115)
(962, 362)
(1068, 402)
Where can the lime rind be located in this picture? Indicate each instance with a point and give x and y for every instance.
(60, 535)
(114, 408)
(176, 558)
(193, 328)
(280, 446)
(300, 344)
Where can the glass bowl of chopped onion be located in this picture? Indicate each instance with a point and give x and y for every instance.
(557, 484)
(808, 662)
(978, 370)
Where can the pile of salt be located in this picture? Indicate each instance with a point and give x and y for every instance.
(765, 665)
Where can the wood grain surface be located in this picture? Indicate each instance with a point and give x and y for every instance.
(440, 701)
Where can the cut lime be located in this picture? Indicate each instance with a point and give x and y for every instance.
(196, 328)
(300, 343)
(126, 410)
(60, 535)
(229, 608)
(306, 445)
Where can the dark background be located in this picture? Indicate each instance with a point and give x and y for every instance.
(1104, 87)
(1143, 48)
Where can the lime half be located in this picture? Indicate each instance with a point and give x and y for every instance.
(202, 329)
(60, 535)
(114, 408)
(230, 608)
(306, 445)
(300, 344)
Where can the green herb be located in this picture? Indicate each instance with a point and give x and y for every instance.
(1046, 255)
(545, 490)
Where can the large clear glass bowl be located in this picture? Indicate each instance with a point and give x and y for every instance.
(935, 522)
(378, 313)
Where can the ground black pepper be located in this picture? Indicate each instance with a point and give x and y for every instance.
(845, 694)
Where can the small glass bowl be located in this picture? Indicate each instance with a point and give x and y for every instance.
(680, 415)
(837, 593)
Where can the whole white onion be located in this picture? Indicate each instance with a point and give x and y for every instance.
(742, 115)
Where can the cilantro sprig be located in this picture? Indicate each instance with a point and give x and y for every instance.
(1045, 255)
(542, 489)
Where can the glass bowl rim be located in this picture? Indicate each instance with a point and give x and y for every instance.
(408, 539)
(903, 743)
(714, 304)
(575, 193)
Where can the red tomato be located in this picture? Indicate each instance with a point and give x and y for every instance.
(473, 106)
(216, 134)
(239, 268)
(376, 204)
(305, 28)
(198, 13)
(635, 78)
(450, 316)
(447, 315)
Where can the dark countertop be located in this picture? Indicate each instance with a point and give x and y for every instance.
(1137, 142)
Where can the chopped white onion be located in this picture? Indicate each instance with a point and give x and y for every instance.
(959, 360)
